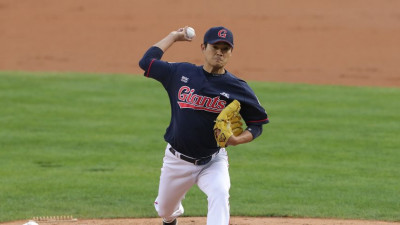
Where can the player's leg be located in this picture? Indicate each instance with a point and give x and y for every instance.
(175, 180)
(214, 181)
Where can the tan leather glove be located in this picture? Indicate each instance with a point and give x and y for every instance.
(228, 123)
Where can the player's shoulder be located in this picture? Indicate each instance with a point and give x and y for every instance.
(235, 78)
(183, 64)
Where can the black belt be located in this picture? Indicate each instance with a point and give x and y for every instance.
(199, 162)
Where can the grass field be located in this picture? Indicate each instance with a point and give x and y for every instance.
(91, 146)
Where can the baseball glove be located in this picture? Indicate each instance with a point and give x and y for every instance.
(228, 123)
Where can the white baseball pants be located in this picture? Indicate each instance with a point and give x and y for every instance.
(178, 176)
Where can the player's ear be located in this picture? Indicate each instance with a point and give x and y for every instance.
(203, 47)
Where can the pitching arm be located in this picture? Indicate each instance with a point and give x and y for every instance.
(170, 39)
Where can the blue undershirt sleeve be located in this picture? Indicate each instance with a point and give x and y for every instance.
(255, 130)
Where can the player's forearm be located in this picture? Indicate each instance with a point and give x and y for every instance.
(167, 42)
(243, 138)
(171, 38)
(158, 49)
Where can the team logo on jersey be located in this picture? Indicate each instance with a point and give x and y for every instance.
(224, 94)
(188, 99)
(184, 79)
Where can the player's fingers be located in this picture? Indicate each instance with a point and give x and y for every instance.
(181, 34)
(236, 124)
(236, 119)
(237, 131)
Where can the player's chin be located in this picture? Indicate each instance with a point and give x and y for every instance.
(219, 64)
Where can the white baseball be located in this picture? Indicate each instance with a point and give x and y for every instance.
(190, 32)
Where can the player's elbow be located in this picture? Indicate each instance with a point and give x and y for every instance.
(143, 64)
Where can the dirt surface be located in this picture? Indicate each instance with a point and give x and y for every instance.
(353, 42)
(202, 221)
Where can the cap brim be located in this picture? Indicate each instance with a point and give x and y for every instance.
(220, 40)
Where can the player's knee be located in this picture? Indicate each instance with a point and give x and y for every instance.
(219, 189)
(219, 194)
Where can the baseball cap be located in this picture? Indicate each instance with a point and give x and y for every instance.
(218, 34)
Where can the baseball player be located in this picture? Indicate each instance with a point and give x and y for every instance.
(200, 96)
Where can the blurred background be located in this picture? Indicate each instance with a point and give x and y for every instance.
(353, 42)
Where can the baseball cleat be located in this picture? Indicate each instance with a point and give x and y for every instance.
(175, 222)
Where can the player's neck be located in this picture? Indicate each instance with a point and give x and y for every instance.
(214, 70)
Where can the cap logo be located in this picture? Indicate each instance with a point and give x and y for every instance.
(222, 33)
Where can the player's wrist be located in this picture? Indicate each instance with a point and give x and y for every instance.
(173, 36)
(244, 137)
(232, 141)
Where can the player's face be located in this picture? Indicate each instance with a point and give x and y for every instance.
(217, 55)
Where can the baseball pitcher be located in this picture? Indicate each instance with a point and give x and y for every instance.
(208, 105)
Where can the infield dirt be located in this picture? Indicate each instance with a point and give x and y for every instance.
(202, 221)
(353, 42)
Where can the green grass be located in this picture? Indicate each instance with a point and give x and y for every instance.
(91, 146)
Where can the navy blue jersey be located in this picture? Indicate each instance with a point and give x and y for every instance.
(196, 99)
